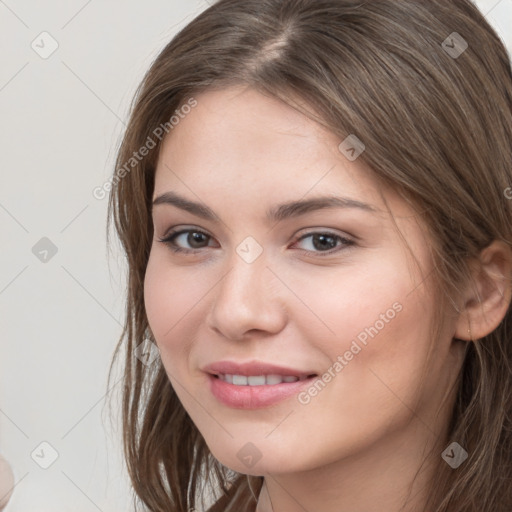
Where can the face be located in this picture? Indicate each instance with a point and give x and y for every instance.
(244, 295)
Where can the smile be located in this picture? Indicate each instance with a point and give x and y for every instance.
(255, 391)
(258, 380)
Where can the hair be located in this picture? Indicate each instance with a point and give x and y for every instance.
(437, 129)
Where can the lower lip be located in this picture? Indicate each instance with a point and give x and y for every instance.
(255, 397)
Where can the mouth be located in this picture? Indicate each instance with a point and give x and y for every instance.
(260, 380)
(255, 385)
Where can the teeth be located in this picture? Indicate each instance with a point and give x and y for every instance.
(240, 380)
(258, 380)
(274, 379)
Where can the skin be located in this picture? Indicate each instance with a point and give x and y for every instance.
(357, 445)
(6, 482)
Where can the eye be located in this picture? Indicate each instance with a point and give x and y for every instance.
(194, 238)
(321, 243)
(325, 242)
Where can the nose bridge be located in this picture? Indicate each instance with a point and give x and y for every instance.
(247, 264)
(245, 282)
(245, 298)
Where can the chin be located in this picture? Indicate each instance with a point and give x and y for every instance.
(259, 459)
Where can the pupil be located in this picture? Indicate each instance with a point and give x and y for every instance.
(194, 238)
(324, 238)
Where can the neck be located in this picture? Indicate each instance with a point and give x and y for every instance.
(264, 503)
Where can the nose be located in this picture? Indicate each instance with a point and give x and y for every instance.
(249, 299)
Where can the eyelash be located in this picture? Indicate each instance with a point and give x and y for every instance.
(169, 241)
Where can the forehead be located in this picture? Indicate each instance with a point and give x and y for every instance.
(238, 141)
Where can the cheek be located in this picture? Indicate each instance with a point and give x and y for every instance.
(375, 358)
(157, 299)
(374, 323)
(171, 296)
(175, 299)
(363, 301)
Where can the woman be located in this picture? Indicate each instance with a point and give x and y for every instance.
(312, 197)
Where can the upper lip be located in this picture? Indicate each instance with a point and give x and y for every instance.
(253, 368)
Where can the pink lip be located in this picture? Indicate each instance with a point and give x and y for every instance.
(253, 397)
(253, 368)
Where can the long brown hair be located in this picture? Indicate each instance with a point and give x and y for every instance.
(436, 119)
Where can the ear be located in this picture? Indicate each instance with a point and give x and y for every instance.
(488, 295)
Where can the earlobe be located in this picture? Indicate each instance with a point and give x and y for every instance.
(488, 295)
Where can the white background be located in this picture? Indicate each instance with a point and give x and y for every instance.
(61, 120)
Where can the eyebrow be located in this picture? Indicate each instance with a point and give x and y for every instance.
(275, 214)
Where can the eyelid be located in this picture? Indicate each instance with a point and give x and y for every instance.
(184, 229)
